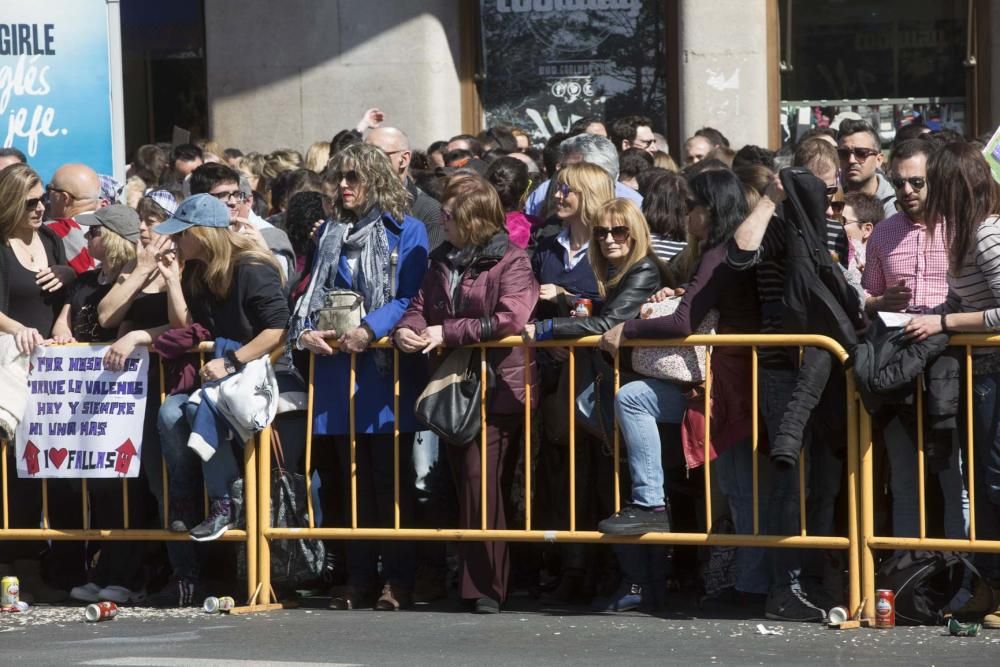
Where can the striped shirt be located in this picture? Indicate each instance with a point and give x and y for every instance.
(664, 248)
(976, 289)
(902, 250)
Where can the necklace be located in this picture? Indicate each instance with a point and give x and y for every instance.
(25, 249)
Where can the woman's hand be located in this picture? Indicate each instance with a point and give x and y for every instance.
(316, 341)
(167, 262)
(214, 370)
(665, 293)
(409, 342)
(433, 337)
(26, 339)
(922, 326)
(529, 333)
(549, 292)
(54, 278)
(612, 339)
(114, 358)
(61, 334)
(356, 340)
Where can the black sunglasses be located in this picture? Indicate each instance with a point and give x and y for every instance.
(620, 234)
(350, 176)
(860, 154)
(32, 204)
(916, 182)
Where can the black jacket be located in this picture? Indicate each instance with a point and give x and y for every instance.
(622, 303)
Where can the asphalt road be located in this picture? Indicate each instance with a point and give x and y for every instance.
(444, 635)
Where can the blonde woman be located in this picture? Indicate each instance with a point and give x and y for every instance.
(232, 288)
(317, 156)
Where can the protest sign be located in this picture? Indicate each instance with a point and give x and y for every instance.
(82, 420)
(60, 65)
(992, 154)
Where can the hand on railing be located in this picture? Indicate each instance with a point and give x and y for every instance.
(409, 342)
(612, 339)
(316, 341)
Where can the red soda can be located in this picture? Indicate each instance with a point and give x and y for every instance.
(101, 611)
(885, 609)
(583, 307)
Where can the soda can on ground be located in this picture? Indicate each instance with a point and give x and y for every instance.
(10, 591)
(885, 609)
(583, 307)
(214, 605)
(101, 611)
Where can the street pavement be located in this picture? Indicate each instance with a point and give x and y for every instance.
(444, 634)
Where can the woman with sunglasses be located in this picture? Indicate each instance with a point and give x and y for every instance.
(717, 208)
(372, 249)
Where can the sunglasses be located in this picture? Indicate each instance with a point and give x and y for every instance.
(619, 234)
(563, 190)
(860, 154)
(32, 204)
(351, 177)
(916, 182)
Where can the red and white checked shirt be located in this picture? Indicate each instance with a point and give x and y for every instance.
(74, 242)
(899, 249)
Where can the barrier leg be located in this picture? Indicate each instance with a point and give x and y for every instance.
(853, 552)
(250, 505)
(263, 519)
(867, 515)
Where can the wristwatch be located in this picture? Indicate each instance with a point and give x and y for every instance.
(232, 363)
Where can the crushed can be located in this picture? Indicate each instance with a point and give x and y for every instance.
(885, 609)
(10, 591)
(101, 611)
(16, 608)
(214, 605)
(958, 629)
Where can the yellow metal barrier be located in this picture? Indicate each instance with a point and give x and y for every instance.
(250, 535)
(870, 542)
(528, 534)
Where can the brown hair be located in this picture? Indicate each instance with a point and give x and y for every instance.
(476, 209)
(16, 181)
(867, 207)
(816, 154)
(382, 185)
(624, 213)
(594, 186)
(223, 248)
(962, 193)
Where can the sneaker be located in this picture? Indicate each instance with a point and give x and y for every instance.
(220, 519)
(791, 605)
(634, 520)
(626, 598)
(86, 593)
(180, 592)
(992, 621)
(121, 595)
(393, 598)
(486, 606)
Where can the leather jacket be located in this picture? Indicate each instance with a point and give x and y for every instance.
(622, 303)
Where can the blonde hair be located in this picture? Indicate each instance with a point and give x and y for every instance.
(476, 208)
(317, 156)
(223, 249)
(135, 188)
(382, 185)
(280, 161)
(593, 185)
(620, 213)
(16, 181)
(119, 252)
(664, 161)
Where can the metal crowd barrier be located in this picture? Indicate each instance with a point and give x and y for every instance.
(850, 543)
(870, 541)
(249, 535)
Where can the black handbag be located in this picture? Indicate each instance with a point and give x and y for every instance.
(450, 404)
(293, 562)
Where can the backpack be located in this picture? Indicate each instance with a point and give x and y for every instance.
(928, 583)
(817, 298)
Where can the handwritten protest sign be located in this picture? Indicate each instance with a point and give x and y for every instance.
(82, 420)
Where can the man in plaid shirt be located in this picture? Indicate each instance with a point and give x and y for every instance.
(906, 270)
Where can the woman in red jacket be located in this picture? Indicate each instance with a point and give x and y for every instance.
(479, 287)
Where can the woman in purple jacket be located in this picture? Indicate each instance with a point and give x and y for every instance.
(479, 287)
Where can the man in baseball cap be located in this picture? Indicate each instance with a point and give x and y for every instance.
(119, 218)
(202, 210)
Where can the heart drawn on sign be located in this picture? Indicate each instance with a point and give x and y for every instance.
(57, 456)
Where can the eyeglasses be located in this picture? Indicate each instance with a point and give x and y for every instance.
(49, 189)
(916, 182)
(351, 177)
(831, 190)
(643, 143)
(860, 154)
(563, 190)
(32, 204)
(238, 195)
(848, 221)
(620, 234)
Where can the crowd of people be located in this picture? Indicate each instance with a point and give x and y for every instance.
(480, 238)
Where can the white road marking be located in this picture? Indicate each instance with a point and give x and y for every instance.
(205, 662)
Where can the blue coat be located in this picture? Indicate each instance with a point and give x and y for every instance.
(373, 401)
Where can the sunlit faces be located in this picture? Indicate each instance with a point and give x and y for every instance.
(95, 242)
(614, 240)
(188, 246)
(859, 158)
(352, 189)
(909, 177)
(696, 149)
(34, 208)
(567, 201)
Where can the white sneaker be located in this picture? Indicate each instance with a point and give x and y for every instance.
(121, 595)
(86, 593)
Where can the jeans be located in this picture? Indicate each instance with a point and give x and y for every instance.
(901, 446)
(986, 440)
(734, 470)
(639, 406)
(823, 475)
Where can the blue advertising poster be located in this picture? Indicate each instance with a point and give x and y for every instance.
(55, 83)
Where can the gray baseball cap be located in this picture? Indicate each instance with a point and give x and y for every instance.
(119, 218)
(202, 210)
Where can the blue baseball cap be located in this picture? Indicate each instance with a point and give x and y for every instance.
(202, 210)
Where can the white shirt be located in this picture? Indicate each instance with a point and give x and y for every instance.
(570, 260)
